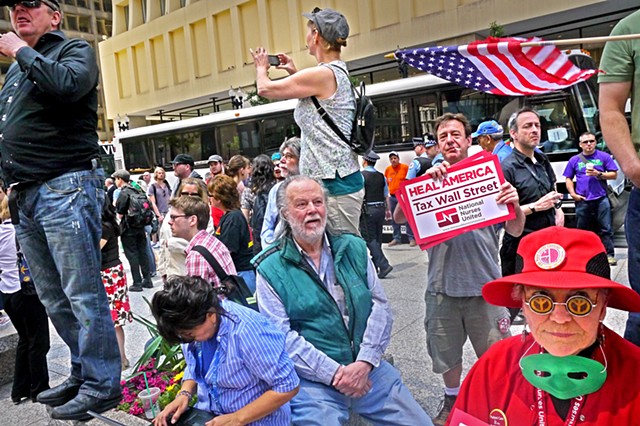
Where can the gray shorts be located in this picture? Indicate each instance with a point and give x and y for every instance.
(448, 322)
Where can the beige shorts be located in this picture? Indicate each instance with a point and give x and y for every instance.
(448, 322)
(343, 212)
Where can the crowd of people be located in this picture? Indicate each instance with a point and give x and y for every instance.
(302, 229)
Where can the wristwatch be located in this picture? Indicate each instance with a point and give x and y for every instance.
(532, 207)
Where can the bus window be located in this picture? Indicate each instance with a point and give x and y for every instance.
(276, 130)
(239, 138)
(136, 154)
(476, 106)
(557, 130)
(427, 108)
(392, 123)
(588, 104)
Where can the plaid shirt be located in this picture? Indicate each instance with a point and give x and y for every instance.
(197, 266)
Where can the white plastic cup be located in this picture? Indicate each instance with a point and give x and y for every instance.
(589, 166)
(149, 399)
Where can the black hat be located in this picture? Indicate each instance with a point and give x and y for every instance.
(371, 157)
(183, 159)
(53, 4)
(417, 141)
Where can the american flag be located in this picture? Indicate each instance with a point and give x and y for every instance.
(499, 66)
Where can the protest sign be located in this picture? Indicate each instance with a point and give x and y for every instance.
(460, 418)
(462, 201)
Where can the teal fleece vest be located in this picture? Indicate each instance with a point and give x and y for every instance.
(313, 313)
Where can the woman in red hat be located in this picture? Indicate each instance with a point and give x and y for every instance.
(570, 369)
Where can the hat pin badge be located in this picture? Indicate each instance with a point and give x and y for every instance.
(550, 256)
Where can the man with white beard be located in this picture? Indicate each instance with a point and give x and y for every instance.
(323, 292)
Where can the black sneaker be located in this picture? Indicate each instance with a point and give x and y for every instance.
(384, 272)
(445, 409)
(147, 284)
(135, 287)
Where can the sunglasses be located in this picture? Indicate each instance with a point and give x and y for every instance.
(34, 4)
(193, 194)
(578, 305)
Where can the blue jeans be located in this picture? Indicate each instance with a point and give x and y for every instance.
(397, 232)
(152, 256)
(595, 215)
(249, 278)
(631, 226)
(59, 232)
(389, 402)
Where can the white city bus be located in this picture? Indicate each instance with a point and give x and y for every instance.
(405, 108)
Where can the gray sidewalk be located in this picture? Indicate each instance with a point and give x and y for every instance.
(405, 288)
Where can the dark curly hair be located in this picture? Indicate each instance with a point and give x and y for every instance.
(263, 175)
(225, 189)
(182, 305)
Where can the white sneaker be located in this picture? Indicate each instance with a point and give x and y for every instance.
(4, 321)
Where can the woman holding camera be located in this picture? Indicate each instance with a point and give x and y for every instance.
(324, 155)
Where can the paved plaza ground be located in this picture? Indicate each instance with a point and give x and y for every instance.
(405, 288)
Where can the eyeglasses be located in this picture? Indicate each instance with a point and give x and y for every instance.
(289, 156)
(193, 194)
(173, 217)
(589, 141)
(33, 4)
(578, 305)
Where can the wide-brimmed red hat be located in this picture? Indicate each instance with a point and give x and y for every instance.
(562, 258)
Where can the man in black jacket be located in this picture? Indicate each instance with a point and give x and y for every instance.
(49, 152)
(375, 208)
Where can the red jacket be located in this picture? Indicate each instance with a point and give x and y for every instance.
(495, 381)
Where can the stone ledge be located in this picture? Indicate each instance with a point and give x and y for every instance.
(117, 415)
(8, 345)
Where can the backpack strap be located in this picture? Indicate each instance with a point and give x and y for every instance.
(222, 275)
(323, 113)
(328, 120)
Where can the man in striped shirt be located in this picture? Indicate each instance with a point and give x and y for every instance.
(188, 219)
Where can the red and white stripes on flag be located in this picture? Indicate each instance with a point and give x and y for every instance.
(499, 66)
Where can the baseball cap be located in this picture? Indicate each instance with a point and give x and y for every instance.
(122, 174)
(394, 153)
(561, 258)
(331, 24)
(53, 4)
(488, 128)
(215, 158)
(429, 140)
(371, 157)
(183, 159)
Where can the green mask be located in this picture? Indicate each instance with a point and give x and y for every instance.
(563, 376)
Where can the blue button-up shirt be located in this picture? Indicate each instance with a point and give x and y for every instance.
(245, 358)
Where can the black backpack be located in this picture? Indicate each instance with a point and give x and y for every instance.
(139, 213)
(363, 126)
(232, 287)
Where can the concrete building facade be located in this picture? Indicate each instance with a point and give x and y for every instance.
(171, 59)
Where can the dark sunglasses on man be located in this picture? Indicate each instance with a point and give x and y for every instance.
(30, 4)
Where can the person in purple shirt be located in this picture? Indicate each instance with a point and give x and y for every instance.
(592, 169)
